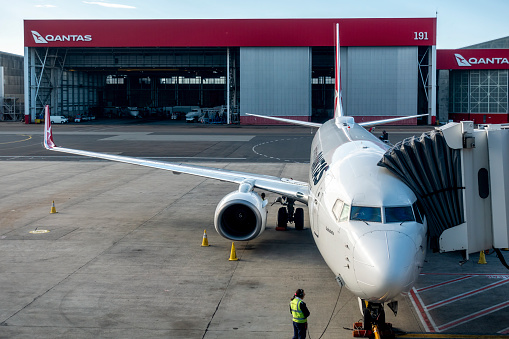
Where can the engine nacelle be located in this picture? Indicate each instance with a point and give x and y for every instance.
(241, 215)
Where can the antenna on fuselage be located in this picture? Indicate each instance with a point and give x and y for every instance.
(338, 98)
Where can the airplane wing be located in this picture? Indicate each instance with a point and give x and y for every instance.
(387, 121)
(290, 188)
(289, 121)
(318, 125)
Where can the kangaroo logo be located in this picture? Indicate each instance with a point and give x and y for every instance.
(461, 60)
(38, 38)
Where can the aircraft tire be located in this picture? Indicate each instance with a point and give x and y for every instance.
(299, 219)
(282, 217)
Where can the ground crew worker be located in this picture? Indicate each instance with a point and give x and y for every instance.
(385, 136)
(300, 313)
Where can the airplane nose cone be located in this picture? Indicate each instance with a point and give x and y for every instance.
(384, 264)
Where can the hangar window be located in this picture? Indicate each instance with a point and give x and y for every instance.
(114, 80)
(190, 81)
(145, 81)
(168, 81)
(479, 91)
(214, 81)
(488, 91)
(323, 80)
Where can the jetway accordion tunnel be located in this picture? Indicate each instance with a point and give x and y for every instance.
(433, 171)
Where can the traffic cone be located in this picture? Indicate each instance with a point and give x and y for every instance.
(53, 209)
(482, 258)
(233, 254)
(205, 241)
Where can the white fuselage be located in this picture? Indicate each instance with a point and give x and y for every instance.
(364, 220)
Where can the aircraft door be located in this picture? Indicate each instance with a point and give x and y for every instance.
(314, 218)
(317, 202)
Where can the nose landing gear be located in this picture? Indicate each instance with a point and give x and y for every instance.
(374, 322)
(288, 214)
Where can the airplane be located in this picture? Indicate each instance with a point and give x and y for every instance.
(366, 223)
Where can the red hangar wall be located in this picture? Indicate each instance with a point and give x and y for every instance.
(278, 67)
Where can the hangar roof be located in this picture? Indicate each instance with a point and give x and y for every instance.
(229, 32)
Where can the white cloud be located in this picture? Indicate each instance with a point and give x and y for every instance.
(106, 4)
(45, 6)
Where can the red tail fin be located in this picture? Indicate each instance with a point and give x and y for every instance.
(48, 134)
(338, 99)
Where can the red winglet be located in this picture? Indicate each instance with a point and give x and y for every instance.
(48, 134)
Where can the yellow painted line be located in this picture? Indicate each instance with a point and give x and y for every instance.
(12, 142)
(459, 336)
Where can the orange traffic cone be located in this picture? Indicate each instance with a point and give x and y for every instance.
(205, 241)
(233, 254)
(53, 209)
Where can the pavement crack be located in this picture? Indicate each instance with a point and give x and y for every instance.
(225, 291)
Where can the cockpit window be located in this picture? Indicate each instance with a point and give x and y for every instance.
(418, 212)
(399, 214)
(345, 212)
(336, 209)
(373, 214)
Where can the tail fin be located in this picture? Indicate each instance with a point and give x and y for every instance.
(48, 133)
(338, 98)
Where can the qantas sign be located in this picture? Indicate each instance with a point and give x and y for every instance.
(39, 39)
(473, 59)
(478, 61)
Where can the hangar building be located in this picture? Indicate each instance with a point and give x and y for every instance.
(279, 67)
(11, 87)
(473, 83)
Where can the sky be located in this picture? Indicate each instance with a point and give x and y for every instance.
(460, 23)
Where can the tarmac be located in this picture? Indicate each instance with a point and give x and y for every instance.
(122, 257)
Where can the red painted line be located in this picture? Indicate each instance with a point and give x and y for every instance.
(422, 310)
(466, 294)
(473, 316)
(443, 283)
(472, 274)
(504, 331)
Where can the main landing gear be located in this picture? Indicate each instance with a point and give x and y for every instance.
(374, 321)
(289, 214)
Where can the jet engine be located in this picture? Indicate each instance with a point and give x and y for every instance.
(241, 215)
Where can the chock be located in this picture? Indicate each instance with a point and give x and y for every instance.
(233, 254)
(482, 258)
(205, 241)
(53, 209)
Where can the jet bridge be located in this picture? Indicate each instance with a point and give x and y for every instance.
(459, 175)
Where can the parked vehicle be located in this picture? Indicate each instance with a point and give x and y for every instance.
(58, 119)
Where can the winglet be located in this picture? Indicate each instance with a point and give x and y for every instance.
(48, 134)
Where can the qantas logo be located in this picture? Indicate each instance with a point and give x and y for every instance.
(481, 61)
(39, 39)
(461, 60)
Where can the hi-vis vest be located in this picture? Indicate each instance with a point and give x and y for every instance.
(297, 314)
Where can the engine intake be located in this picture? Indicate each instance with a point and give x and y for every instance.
(240, 216)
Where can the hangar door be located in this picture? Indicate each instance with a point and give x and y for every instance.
(275, 81)
(380, 81)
